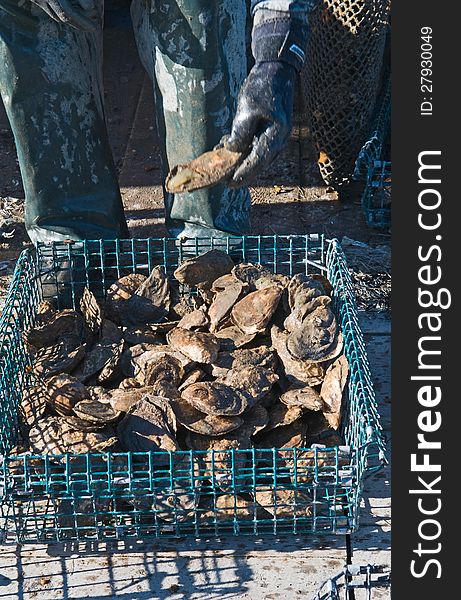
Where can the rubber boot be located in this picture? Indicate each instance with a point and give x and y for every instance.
(51, 84)
(195, 52)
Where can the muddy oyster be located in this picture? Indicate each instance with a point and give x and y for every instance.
(214, 398)
(64, 324)
(95, 411)
(317, 338)
(33, 403)
(305, 396)
(199, 347)
(150, 302)
(62, 357)
(135, 359)
(288, 436)
(119, 293)
(281, 415)
(228, 291)
(332, 389)
(253, 313)
(297, 371)
(96, 359)
(194, 376)
(202, 270)
(206, 170)
(91, 311)
(149, 424)
(231, 337)
(166, 368)
(252, 383)
(57, 436)
(210, 425)
(238, 359)
(142, 334)
(257, 277)
(63, 393)
(197, 319)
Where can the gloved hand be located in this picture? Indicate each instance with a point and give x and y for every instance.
(263, 120)
(82, 17)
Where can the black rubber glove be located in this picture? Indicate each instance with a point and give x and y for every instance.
(84, 16)
(263, 119)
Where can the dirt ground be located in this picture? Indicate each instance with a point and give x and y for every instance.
(289, 198)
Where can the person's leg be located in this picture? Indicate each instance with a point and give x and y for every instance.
(195, 51)
(51, 85)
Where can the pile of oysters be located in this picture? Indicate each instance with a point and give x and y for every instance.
(221, 356)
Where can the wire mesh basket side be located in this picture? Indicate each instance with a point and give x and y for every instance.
(119, 495)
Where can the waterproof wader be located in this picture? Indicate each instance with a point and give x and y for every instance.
(51, 85)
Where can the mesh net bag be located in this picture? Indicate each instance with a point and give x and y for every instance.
(341, 79)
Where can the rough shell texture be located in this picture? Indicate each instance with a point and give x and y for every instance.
(99, 412)
(110, 333)
(332, 389)
(214, 398)
(232, 337)
(202, 423)
(199, 347)
(151, 301)
(112, 367)
(194, 376)
(123, 399)
(281, 415)
(252, 383)
(91, 311)
(288, 436)
(197, 319)
(304, 396)
(59, 358)
(257, 277)
(166, 368)
(63, 324)
(204, 171)
(202, 270)
(253, 313)
(142, 334)
(238, 359)
(58, 436)
(147, 427)
(118, 294)
(224, 301)
(63, 393)
(316, 339)
(33, 403)
(285, 503)
(95, 360)
(297, 371)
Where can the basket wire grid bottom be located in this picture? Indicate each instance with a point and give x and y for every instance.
(144, 495)
(357, 582)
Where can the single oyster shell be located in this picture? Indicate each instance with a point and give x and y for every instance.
(304, 396)
(253, 313)
(206, 170)
(193, 376)
(119, 293)
(122, 400)
(285, 503)
(297, 371)
(214, 398)
(57, 436)
(303, 288)
(236, 360)
(166, 368)
(331, 391)
(63, 324)
(91, 311)
(166, 389)
(281, 415)
(232, 337)
(202, 423)
(228, 291)
(63, 393)
(33, 403)
(257, 277)
(202, 270)
(183, 304)
(130, 357)
(96, 359)
(135, 359)
(252, 383)
(147, 426)
(288, 436)
(76, 423)
(129, 383)
(317, 338)
(112, 368)
(94, 411)
(300, 312)
(59, 358)
(199, 347)
(150, 302)
(196, 319)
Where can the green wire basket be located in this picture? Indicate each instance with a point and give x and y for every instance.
(107, 496)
